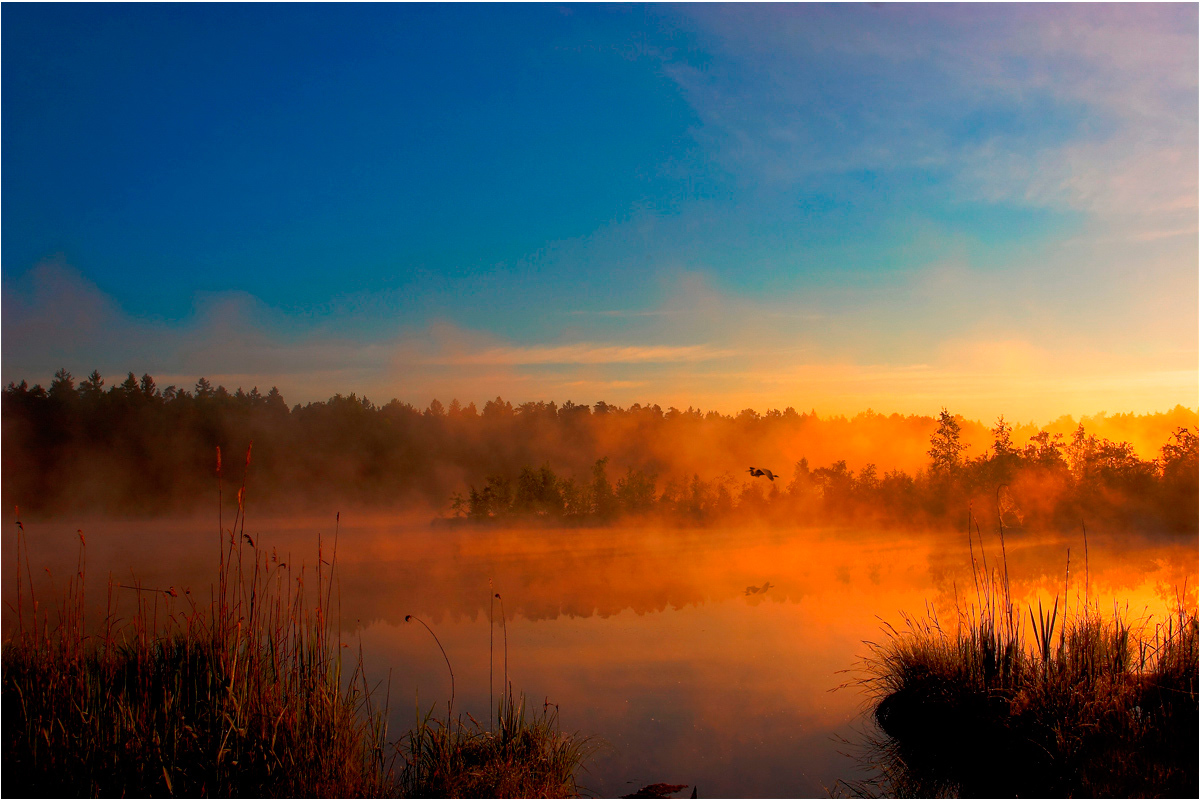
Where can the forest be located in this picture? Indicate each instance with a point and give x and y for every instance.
(137, 449)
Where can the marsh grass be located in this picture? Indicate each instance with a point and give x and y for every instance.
(515, 754)
(1035, 702)
(248, 694)
(253, 693)
(519, 754)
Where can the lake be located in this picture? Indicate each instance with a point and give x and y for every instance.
(707, 657)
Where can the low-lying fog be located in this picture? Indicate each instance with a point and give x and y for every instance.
(708, 657)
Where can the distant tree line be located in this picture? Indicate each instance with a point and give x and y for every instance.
(1047, 482)
(134, 448)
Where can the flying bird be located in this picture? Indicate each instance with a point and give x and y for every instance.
(755, 473)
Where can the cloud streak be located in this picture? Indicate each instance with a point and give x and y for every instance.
(583, 353)
(1069, 107)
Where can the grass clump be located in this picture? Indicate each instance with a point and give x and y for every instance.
(522, 755)
(248, 694)
(1031, 703)
(177, 717)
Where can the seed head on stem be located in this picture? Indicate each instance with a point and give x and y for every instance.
(450, 706)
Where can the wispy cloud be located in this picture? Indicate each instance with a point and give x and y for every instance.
(1151, 236)
(619, 314)
(583, 353)
(1080, 107)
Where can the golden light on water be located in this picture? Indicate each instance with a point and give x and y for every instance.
(662, 641)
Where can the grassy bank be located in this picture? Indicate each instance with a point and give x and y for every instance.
(1037, 701)
(251, 693)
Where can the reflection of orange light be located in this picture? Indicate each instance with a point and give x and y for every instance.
(648, 636)
(547, 573)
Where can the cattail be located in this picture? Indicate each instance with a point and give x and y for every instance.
(218, 461)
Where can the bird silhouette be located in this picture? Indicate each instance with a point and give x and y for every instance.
(755, 472)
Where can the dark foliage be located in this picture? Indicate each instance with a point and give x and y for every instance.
(136, 448)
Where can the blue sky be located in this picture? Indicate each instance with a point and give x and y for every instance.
(990, 208)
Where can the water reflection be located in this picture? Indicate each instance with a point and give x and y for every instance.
(701, 657)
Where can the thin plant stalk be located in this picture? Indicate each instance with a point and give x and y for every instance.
(504, 627)
(450, 705)
(491, 647)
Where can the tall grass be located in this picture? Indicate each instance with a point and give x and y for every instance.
(252, 693)
(1036, 701)
(247, 694)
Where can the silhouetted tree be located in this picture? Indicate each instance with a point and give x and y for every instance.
(635, 492)
(603, 502)
(1045, 451)
(945, 448)
(92, 387)
(62, 388)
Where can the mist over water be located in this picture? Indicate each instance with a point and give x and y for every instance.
(708, 657)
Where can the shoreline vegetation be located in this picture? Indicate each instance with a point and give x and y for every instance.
(1052, 701)
(136, 448)
(252, 693)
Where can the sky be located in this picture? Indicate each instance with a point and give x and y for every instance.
(988, 208)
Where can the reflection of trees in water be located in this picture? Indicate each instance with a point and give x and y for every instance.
(444, 572)
(578, 573)
(583, 573)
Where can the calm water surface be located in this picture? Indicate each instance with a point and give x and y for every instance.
(703, 657)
